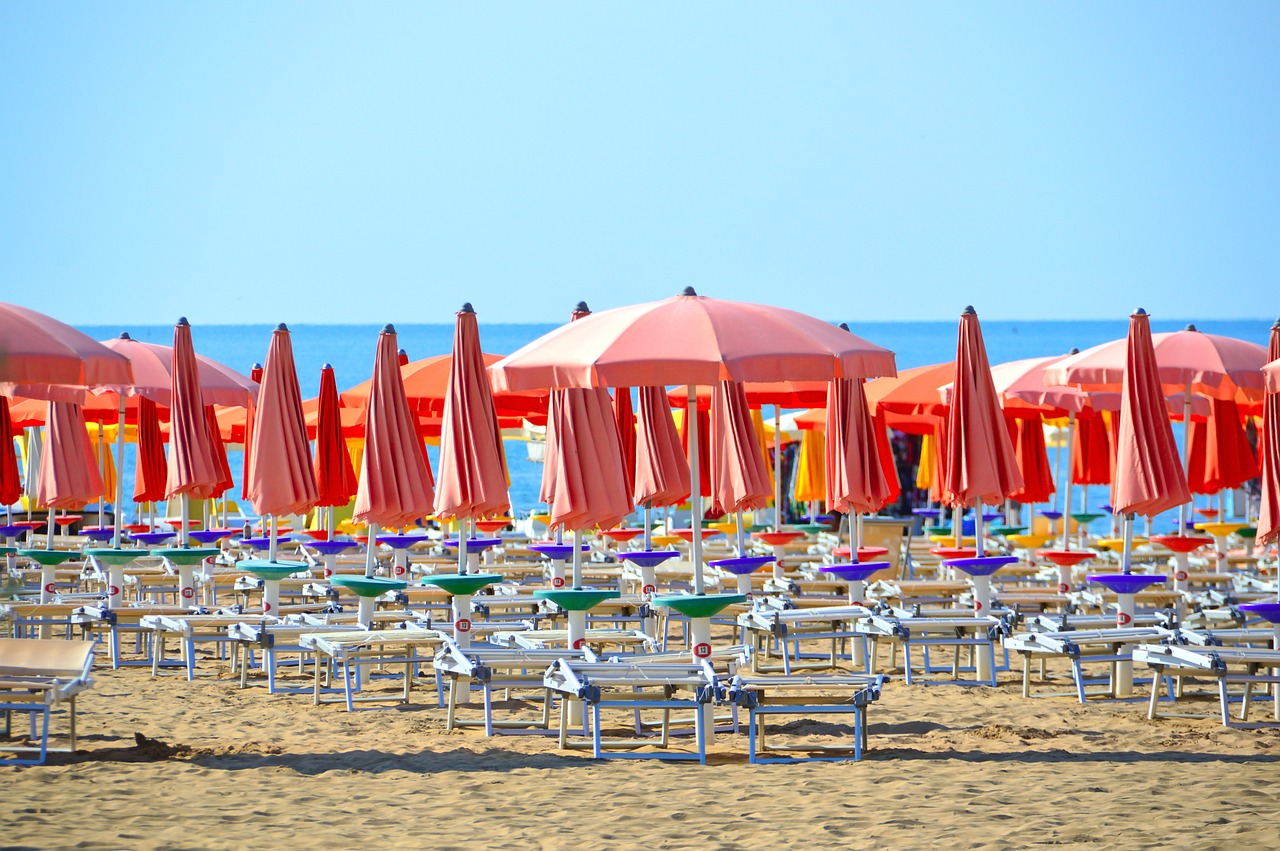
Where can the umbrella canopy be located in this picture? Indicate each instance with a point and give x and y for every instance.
(395, 486)
(690, 339)
(783, 394)
(584, 484)
(857, 480)
(1220, 455)
(662, 470)
(979, 464)
(473, 463)
(426, 387)
(1149, 476)
(1206, 364)
(1269, 445)
(1092, 456)
(739, 477)
(335, 476)
(280, 476)
(193, 465)
(150, 470)
(1027, 434)
(69, 476)
(10, 481)
(914, 391)
(39, 350)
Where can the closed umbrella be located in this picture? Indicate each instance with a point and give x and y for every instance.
(473, 467)
(334, 474)
(858, 479)
(1027, 434)
(1269, 445)
(150, 468)
(739, 477)
(10, 481)
(194, 470)
(395, 486)
(1220, 455)
(69, 476)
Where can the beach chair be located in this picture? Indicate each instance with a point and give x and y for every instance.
(1247, 666)
(774, 622)
(38, 676)
(352, 651)
(763, 696)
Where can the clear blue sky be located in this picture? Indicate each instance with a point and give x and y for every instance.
(352, 162)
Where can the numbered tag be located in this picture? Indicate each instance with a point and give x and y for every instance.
(557, 582)
(579, 643)
(649, 590)
(462, 625)
(188, 593)
(702, 650)
(1123, 618)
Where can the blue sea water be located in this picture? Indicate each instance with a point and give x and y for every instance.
(350, 349)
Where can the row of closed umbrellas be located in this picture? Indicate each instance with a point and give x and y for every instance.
(687, 340)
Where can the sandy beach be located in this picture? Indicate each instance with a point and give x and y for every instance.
(164, 763)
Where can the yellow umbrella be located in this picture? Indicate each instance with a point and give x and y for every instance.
(811, 475)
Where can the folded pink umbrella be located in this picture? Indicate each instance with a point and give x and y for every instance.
(280, 476)
(69, 476)
(39, 350)
(473, 461)
(662, 469)
(335, 476)
(193, 466)
(980, 466)
(150, 469)
(1269, 446)
(739, 478)
(1149, 476)
(395, 486)
(857, 480)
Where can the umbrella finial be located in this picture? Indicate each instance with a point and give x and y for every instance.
(689, 291)
(1276, 326)
(844, 326)
(1074, 351)
(968, 311)
(327, 366)
(124, 335)
(581, 307)
(282, 327)
(1191, 327)
(388, 328)
(1139, 312)
(182, 320)
(467, 308)
(257, 366)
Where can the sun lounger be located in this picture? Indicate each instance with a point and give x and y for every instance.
(349, 652)
(1084, 646)
(848, 694)
(770, 625)
(38, 676)
(598, 638)
(954, 631)
(1249, 666)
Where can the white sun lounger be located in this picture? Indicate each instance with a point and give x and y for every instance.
(955, 631)
(1249, 666)
(788, 627)
(1083, 646)
(36, 676)
(848, 694)
(349, 651)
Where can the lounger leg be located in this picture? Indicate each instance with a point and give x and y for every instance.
(1078, 676)
(595, 730)
(453, 704)
(72, 721)
(906, 660)
(346, 678)
(1226, 705)
(1026, 675)
(1155, 695)
(242, 649)
(1247, 698)
(857, 733)
(700, 732)
(488, 710)
(315, 693)
(157, 650)
(751, 737)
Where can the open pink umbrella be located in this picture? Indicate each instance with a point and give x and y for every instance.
(335, 476)
(193, 464)
(1269, 445)
(473, 461)
(39, 350)
(395, 486)
(280, 476)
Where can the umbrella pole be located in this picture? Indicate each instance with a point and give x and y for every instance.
(462, 550)
(695, 489)
(1186, 455)
(855, 545)
(53, 513)
(370, 549)
(777, 468)
(577, 559)
(102, 465)
(957, 524)
(1126, 558)
(742, 537)
(1066, 519)
(648, 526)
(275, 538)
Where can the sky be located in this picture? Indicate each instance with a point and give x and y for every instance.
(341, 162)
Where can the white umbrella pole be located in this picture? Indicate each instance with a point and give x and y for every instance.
(370, 550)
(856, 544)
(577, 559)
(186, 513)
(742, 535)
(957, 525)
(53, 513)
(275, 538)
(102, 465)
(648, 526)
(462, 549)
(1186, 455)
(979, 539)
(695, 489)
(1066, 518)
(777, 468)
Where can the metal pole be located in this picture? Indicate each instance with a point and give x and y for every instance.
(371, 556)
(695, 488)
(1186, 454)
(577, 559)
(777, 468)
(1066, 519)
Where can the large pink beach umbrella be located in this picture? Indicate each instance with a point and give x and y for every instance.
(473, 464)
(661, 470)
(1269, 445)
(395, 486)
(194, 470)
(39, 350)
(280, 477)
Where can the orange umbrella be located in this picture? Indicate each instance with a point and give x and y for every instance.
(58, 360)
(1269, 445)
(979, 466)
(426, 387)
(1220, 456)
(473, 466)
(915, 391)
(739, 478)
(280, 476)
(1149, 477)
(395, 486)
(150, 469)
(662, 470)
(193, 465)
(334, 474)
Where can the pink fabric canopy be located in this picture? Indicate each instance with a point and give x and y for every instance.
(662, 469)
(334, 474)
(584, 483)
(857, 481)
(739, 478)
(979, 464)
(38, 350)
(280, 477)
(1269, 446)
(473, 461)
(193, 466)
(1149, 476)
(395, 487)
(69, 475)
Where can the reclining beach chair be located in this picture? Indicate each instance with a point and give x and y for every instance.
(37, 676)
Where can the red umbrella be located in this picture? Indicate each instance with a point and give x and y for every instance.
(979, 466)
(1220, 455)
(625, 417)
(334, 474)
(740, 480)
(858, 482)
(150, 468)
(395, 487)
(39, 350)
(255, 373)
(1269, 445)
(473, 466)
(1092, 459)
(1149, 478)
(193, 465)
(662, 469)
(10, 483)
(280, 476)
(1027, 434)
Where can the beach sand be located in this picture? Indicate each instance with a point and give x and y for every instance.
(164, 763)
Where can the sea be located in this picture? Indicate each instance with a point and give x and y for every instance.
(350, 350)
